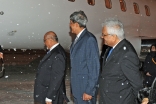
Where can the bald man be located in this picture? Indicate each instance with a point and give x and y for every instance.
(49, 85)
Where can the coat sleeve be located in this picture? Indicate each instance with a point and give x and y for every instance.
(130, 68)
(152, 68)
(146, 64)
(57, 75)
(93, 65)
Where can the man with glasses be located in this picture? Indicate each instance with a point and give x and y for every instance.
(120, 80)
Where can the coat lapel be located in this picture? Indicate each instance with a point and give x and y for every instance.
(43, 59)
(105, 55)
(115, 50)
(74, 45)
(47, 56)
(71, 47)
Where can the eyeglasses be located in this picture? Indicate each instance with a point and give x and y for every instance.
(104, 35)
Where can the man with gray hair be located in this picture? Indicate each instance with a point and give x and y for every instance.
(85, 65)
(120, 79)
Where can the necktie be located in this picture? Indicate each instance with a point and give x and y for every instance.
(75, 40)
(110, 51)
(48, 52)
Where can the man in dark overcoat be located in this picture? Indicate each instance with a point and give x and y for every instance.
(120, 80)
(49, 83)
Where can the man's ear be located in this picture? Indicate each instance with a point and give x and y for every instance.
(115, 36)
(77, 25)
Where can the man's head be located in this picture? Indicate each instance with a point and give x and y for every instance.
(153, 47)
(78, 21)
(50, 39)
(112, 32)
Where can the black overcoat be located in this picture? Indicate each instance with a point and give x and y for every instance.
(120, 80)
(49, 80)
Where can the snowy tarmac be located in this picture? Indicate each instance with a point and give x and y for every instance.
(17, 88)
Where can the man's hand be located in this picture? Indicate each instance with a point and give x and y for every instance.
(145, 101)
(148, 74)
(1, 55)
(48, 102)
(87, 97)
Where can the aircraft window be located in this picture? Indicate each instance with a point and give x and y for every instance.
(71, 0)
(136, 8)
(147, 10)
(123, 5)
(91, 2)
(108, 4)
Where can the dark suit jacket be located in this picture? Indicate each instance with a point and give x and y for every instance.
(149, 66)
(49, 80)
(85, 66)
(120, 80)
(1, 50)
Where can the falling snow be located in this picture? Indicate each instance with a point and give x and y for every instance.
(31, 21)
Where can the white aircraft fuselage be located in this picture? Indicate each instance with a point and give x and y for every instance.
(24, 22)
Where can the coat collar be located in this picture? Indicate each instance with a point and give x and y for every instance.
(105, 55)
(115, 50)
(48, 55)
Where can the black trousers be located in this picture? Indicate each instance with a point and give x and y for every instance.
(59, 102)
(37, 103)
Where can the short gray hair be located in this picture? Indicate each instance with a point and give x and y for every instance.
(80, 18)
(114, 26)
